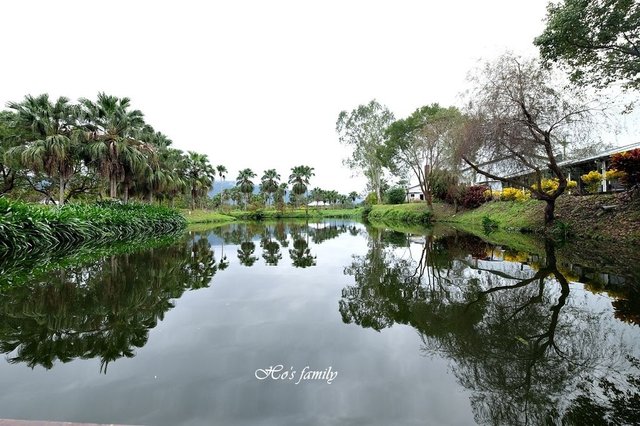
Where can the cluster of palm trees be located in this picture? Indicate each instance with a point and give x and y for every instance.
(100, 147)
(272, 190)
(332, 197)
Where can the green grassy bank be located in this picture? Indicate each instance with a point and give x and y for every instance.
(202, 216)
(604, 217)
(27, 229)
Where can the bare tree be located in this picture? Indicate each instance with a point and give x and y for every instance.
(520, 119)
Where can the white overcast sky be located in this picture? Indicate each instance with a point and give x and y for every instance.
(259, 84)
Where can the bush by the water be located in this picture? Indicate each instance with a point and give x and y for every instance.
(27, 228)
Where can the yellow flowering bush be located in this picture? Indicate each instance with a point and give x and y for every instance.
(614, 174)
(550, 185)
(593, 180)
(514, 194)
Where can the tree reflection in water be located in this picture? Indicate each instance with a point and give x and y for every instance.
(526, 350)
(102, 310)
(105, 308)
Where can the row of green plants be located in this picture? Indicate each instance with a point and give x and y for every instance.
(26, 229)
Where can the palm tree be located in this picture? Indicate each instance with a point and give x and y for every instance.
(317, 194)
(244, 183)
(54, 148)
(279, 195)
(270, 182)
(199, 174)
(222, 174)
(112, 136)
(299, 179)
(353, 195)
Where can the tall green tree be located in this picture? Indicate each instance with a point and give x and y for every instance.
(11, 136)
(299, 179)
(269, 182)
(113, 142)
(363, 129)
(200, 175)
(423, 143)
(53, 147)
(245, 184)
(597, 40)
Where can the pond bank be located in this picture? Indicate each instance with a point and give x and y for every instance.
(603, 217)
(206, 216)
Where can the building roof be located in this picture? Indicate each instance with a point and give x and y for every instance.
(601, 155)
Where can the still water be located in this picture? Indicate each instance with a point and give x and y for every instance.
(323, 323)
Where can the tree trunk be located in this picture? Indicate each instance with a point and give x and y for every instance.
(113, 187)
(549, 210)
(61, 198)
(126, 193)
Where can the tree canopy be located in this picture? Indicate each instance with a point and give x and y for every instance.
(598, 40)
(363, 130)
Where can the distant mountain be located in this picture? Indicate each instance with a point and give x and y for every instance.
(220, 185)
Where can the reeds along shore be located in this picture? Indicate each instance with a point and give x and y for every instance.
(27, 228)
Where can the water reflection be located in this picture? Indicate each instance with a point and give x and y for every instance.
(273, 237)
(101, 310)
(527, 351)
(105, 308)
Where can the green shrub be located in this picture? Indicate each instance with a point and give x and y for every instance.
(489, 224)
(366, 211)
(396, 195)
(371, 199)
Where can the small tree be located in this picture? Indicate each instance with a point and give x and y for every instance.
(422, 143)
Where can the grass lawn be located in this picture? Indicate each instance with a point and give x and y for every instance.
(205, 216)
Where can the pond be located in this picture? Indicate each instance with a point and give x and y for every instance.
(332, 322)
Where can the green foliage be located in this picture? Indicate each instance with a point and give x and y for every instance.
(396, 195)
(596, 39)
(403, 213)
(441, 183)
(489, 225)
(26, 229)
(368, 208)
(629, 163)
(363, 129)
(371, 199)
